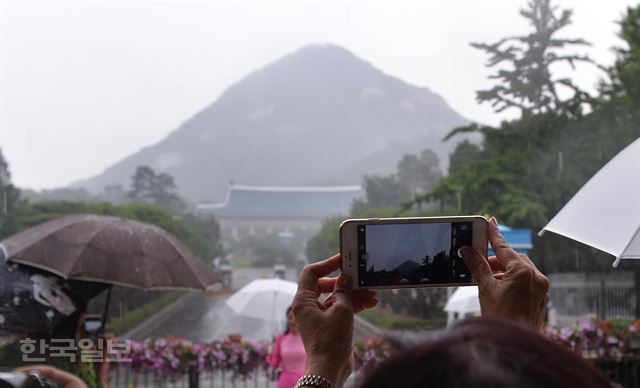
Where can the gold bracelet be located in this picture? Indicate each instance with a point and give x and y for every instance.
(314, 381)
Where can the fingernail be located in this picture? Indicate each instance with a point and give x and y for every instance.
(494, 221)
(462, 251)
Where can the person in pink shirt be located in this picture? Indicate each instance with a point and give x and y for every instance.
(288, 354)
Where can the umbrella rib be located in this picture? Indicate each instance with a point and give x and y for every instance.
(93, 235)
(169, 238)
(144, 272)
(84, 248)
(631, 240)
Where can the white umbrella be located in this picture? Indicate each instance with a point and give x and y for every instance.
(605, 213)
(264, 299)
(463, 301)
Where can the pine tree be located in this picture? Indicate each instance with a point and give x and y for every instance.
(142, 185)
(625, 73)
(157, 189)
(523, 63)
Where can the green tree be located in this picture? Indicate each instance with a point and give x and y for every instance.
(419, 173)
(511, 167)
(158, 189)
(208, 230)
(269, 251)
(5, 175)
(142, 185)
(381, 192)
(9, 199)
(58, 194)
(524, 76)
(625, 73)
(164, 192)
(463, 155)
(415, 174)
(326, 242)
(527, 169)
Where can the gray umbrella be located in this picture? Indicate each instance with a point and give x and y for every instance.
(110, 250)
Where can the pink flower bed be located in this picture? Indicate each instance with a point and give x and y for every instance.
(172, 357)
(598, 339)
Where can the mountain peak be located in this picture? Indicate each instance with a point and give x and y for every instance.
(316, 60)
(326, 52)
(285, 123)
(322, 48)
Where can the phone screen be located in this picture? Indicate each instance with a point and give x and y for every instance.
(413, 254)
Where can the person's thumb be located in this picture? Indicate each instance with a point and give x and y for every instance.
(478, 266)
(343, 290)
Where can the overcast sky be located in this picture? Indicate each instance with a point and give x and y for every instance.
(86, 83)
(389, 246)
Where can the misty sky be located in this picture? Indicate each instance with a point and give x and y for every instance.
(388, 246)
(86, 83)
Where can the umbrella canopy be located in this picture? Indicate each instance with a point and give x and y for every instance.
(36, 302)
(110, 250)
(463, 301)
(605, 213)
(264, 299)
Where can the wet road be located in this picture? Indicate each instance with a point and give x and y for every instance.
(203, 318)
(206, 318)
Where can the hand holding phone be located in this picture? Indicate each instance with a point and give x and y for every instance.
(410, 252)
(519, 293)
(327, 329)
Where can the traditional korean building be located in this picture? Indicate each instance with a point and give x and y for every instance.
(282, 210)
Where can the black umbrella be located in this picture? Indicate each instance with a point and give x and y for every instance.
(110, 250)
(104, 249)
(37, 302)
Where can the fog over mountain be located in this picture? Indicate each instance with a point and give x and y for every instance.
(317, 116)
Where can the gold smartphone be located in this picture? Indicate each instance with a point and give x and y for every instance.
(410, 252)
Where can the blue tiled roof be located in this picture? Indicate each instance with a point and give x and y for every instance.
(283, 201)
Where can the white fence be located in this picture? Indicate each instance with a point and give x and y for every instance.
(609, 296)
(123, 376)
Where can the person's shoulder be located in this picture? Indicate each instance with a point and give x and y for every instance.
(287, 335)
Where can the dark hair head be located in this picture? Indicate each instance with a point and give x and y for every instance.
(286, 317)
(484, 352)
